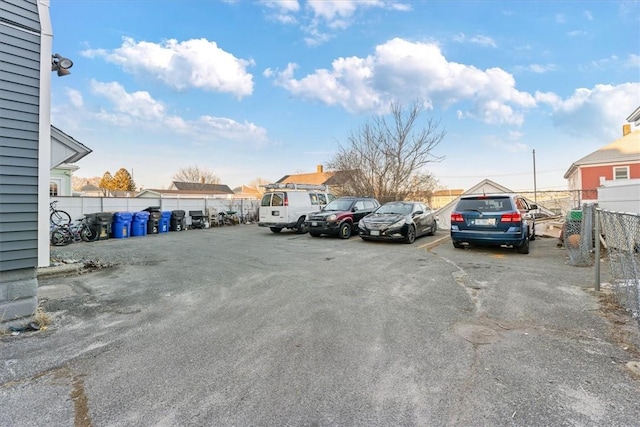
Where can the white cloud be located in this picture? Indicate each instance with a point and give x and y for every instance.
(140, 111)
(405, 70)
(320, 19)
(75, 98)
(576, 33)
(588, 15)
(196, 63)
(282, 11)
(285, 6)
(511, 145)
(633, 61)
(478, 39)
(537, 68)
(483, 41)
(135, 106)
(600, 111)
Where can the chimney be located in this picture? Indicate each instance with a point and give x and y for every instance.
(626, 129)
(319, 169)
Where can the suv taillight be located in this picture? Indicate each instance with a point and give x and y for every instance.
(511, 217)
(456, 217)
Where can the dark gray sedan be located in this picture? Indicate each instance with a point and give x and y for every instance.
(399, 221)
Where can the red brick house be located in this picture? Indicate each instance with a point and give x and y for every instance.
(619, 160)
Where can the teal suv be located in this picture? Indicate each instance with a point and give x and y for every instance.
(494, 220)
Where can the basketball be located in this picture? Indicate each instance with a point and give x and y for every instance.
(573, 240)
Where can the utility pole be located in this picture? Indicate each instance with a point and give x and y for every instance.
(535, 189)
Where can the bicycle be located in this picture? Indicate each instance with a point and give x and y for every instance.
(64, 234)
(228, 218)
(58, 217)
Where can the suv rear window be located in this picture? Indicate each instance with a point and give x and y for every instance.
(485, 204)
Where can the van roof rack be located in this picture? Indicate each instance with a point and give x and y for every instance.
(294, 186)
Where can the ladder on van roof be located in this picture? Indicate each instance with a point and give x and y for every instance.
(294, 186)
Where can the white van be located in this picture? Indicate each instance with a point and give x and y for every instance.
(287, 205)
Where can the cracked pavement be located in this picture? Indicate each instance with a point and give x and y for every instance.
(238, 326)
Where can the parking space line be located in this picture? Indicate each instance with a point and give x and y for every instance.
(434, 243)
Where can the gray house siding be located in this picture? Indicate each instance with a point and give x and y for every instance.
(19, 141)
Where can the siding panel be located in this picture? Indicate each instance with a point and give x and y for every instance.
(20, 12)
(19, 133)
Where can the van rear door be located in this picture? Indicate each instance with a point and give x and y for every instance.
(272, 209)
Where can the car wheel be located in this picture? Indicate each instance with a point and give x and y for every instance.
(275, 229)
(301, 226)
(458, 245)
(411, 234)
(345, 230)
(524, 247)
(314, 234)
(432, 230)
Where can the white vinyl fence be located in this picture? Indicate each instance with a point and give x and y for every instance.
(77, 207)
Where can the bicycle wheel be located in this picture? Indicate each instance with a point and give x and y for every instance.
(88, 234)
(59, 238)
(60, 218)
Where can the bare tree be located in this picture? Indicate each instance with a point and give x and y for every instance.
(196, 174)
(422, 187)
(258, 184)
(385, 158)
(78, 182)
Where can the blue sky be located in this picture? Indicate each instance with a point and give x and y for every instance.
(262, 89)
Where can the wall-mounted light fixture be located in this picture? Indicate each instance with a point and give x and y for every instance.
(61, 64)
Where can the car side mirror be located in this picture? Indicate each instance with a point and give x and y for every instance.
(533, 207)
(354, 209)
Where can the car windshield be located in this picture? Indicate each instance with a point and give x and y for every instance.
(484, 204)
(339, 205)
(395, 208)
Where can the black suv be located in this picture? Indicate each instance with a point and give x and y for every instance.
(340, 217)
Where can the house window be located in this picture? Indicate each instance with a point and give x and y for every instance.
(621, 172)
(53, 189)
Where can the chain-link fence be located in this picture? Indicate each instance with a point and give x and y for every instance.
(578, 235)
(621, 236)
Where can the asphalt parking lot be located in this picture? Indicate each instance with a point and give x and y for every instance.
(236, 326)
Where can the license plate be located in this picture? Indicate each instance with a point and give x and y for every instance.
(314, 224)
(375, 233)
(485, 221)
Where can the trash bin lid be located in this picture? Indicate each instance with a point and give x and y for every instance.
(100, 216)
(141, 215)
(166, 214)
(125, 216)
(152, 209)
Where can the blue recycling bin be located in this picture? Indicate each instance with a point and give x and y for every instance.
(121, 226)
(165, 220)
(139, 223)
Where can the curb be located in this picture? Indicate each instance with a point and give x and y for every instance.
(59, 270)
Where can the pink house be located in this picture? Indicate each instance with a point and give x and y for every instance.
(619, 160)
